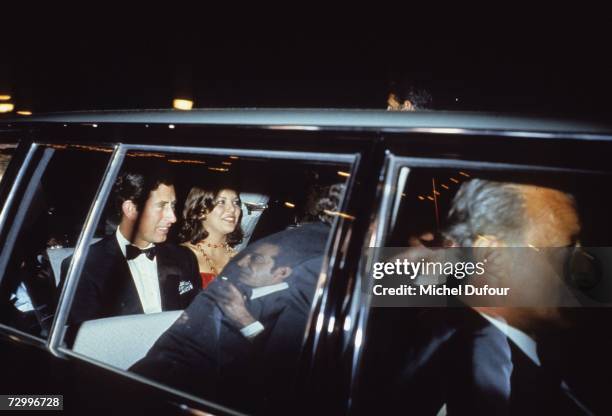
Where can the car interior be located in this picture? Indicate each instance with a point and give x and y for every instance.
(420, 216)
(275, 195)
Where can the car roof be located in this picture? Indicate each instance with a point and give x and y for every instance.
(313, 119)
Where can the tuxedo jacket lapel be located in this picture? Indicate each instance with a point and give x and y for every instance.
(233, 346)
(178, 283)
(537, 389)
(128, 301)
(266, 307)
(168, 274)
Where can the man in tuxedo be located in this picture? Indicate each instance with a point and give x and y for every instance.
(134, 270)
(240, 339)
(483, 360)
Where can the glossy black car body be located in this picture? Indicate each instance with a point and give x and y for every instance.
(379, 143)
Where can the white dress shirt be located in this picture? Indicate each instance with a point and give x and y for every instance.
(523, 341)
(254, 329)
(144, 273)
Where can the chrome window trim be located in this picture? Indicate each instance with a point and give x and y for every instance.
(269, 154)
(16, 184)
(136, 377)
(18, 219)
(360, 308)
(381, 121)
(463, 164)
(22, 337)
(402, 178)
(388, 191)
(519, 134)
(8, 203)
(332, 248)
(82, 247)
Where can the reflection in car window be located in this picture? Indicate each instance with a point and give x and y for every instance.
(207, 297)
(6, 153)
(46, 219)
(538, 350)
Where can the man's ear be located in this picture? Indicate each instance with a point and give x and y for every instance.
(488, 241)
(283, 272)
(484, 249)
(129, 210)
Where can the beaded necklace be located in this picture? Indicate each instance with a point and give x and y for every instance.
(213, 267)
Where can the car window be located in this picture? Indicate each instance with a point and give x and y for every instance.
(202, 269)
(6, 153)
(450, 339)
(49, 208)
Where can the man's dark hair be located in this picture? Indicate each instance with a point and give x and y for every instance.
(200, 202)
(483, 207)
(414, 91)
(420, 98)
(135, 184)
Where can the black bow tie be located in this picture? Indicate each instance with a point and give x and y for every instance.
(131, 252)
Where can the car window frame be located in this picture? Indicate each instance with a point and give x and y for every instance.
(360, 306)
(56, 333)
(7, 230)
(15, 182)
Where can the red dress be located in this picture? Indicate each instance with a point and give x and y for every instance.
(207, 278)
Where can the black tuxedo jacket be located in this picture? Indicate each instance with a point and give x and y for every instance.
(458, 358)
(203, 353)
(106, 287)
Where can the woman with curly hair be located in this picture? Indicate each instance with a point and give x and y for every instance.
(211, 228)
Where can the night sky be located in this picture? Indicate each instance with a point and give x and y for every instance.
(67, 71)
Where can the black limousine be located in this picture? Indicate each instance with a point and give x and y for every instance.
(333, 188)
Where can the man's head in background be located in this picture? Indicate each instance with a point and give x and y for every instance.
(408, 97)
(513, 214)
(516, 228)
(323, 203)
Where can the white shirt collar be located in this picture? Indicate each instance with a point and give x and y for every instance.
(122, 241)
(523, 341)
(125, 242)
(144, 275)
(267, 290)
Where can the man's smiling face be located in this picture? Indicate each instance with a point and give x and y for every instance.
(157, 217)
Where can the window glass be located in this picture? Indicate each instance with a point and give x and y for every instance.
(203, 269)
(449, 339)
(52, 203)
(6, 153)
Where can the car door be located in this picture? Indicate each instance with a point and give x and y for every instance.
(63, 191)
(397, 354)
(40, 195)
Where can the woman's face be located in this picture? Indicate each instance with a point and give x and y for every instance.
(224, 217)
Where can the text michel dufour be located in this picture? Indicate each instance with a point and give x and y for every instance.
(403, 268)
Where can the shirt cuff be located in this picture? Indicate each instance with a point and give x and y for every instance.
(252, 330)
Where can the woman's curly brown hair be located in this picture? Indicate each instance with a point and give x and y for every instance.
(200, 202)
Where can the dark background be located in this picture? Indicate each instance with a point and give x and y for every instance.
(67, 69)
